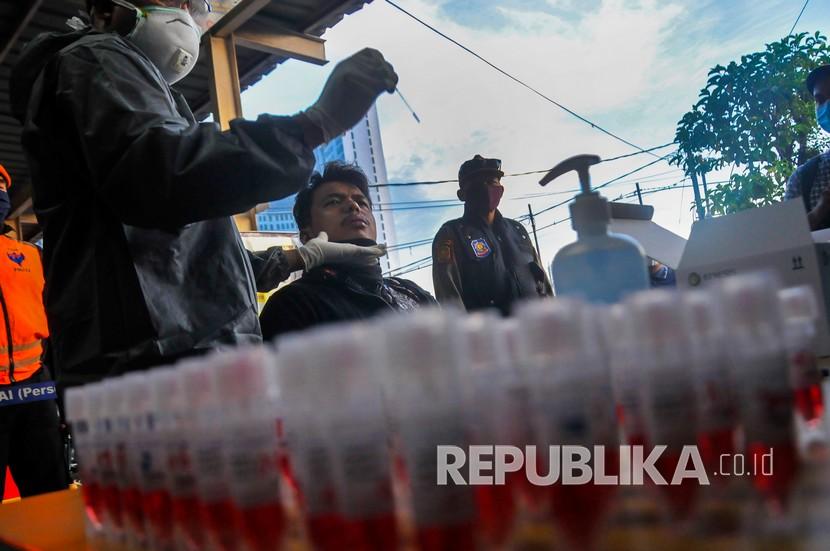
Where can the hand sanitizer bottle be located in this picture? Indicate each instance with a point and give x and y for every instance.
(599, 267)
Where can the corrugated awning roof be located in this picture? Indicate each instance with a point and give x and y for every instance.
(22, 20)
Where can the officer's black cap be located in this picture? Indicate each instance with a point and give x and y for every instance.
(479, 165)
(815, 75)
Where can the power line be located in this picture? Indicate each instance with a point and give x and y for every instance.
(609, 182)
(410, 244)
(453, 202)
(400, 270)
(515, 79)
(514, 174)
(797, 19)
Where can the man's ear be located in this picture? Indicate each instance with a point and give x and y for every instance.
(460, 195)
(304, 235)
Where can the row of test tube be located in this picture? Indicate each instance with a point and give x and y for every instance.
(330, 436)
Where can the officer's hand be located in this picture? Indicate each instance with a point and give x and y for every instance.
(320, 251)
(819, 217)
(350, 91)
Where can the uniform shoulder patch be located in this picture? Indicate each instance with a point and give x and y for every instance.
(443, 252)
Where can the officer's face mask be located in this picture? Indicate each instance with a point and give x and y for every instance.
(5, 205)
(168, 36)
(485, 196)
(823, 115)
(494, 195)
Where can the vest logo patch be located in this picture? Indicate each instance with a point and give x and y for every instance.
(481, 248)
(17, 257)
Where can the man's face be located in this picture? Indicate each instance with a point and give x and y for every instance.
(821, 90)
(4, 185)
(342, 211)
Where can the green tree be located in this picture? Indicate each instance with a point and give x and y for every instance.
(756, 117)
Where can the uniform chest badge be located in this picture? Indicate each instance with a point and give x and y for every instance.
(481, 248)
(16, 257)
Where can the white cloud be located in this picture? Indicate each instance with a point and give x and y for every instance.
(632, 66)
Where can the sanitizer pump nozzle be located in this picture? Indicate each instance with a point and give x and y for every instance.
(600, 266)
(590, 211)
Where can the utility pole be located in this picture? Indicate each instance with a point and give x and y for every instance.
(639, 195)
(701, 214)
(533, 225)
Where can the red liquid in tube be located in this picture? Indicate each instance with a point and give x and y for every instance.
(186, 511)
(579, 509)
(133, 511)
(111, 497)
(457, 537)
(773, 480)
(326, 531)
(371, 534)
(262, 526)
(712, 445)
(809, 402)
(496, 510)
(158, 510)
(681, 497)
(221, 520)
(93, 502)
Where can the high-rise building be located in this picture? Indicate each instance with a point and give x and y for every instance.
(361, 145)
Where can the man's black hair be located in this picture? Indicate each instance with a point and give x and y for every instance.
(335, 171)
(819, 73)
(95, 4)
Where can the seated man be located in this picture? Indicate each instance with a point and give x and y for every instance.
(337, 204)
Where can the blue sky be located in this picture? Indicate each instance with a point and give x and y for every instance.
(633, 66)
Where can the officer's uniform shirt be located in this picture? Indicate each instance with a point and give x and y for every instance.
(485, 266)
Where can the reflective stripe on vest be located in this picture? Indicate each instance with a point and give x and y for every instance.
(19, 348)
(4, 365)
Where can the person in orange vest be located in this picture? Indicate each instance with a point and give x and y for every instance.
(31, 443)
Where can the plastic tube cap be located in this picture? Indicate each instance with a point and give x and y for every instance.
(347, 361)
(165, 389)
(799, 303)
(553, 327)
(75, 403)
(421, 362)
(198, 382)
(482, 342)
(751, 301)
(660, 318)
(113, 397)
(248, 373)
(136, 392)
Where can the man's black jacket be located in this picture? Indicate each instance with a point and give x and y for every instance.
(330, 294)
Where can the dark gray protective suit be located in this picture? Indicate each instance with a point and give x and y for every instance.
(143, 262)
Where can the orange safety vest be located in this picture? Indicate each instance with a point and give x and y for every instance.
(23, 319)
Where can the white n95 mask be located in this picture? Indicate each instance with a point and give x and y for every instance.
(168, 36)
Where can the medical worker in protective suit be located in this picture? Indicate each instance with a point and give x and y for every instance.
(143, 262)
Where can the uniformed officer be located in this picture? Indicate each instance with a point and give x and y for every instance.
(483, 259)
